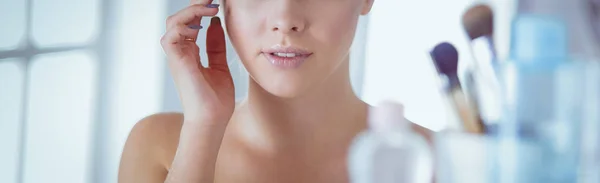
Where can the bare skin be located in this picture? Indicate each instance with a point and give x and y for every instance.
(152, 145)
(296, 125)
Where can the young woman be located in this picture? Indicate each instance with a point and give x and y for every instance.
(298, 119)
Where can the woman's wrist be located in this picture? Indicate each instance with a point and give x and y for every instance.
(202, 132)
(197, 152)
(205, 123)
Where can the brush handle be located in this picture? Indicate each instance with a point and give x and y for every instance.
(468, 114)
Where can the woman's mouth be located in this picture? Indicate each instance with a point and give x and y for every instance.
(286, 57)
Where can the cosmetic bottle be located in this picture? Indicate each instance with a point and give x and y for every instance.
(544, 93)
(390, 151)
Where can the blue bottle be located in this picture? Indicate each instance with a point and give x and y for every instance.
(543, 98)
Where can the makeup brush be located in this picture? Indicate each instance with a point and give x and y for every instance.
(480, 83)
(445, 58)
(478, 22)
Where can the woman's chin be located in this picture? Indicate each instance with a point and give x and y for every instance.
(285, 83)
(284, 89)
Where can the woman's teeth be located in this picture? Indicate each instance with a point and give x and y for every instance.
(285, 54)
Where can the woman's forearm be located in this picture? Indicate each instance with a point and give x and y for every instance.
(196, 155)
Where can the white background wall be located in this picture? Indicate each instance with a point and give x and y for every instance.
(75, 76)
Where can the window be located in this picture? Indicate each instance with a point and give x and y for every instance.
(48, 71)
(13, 18)
(11, 95)
(75, 76)
(60, 113)
(64, 22)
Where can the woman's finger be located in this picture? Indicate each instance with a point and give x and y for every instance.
(178, 49)
(178, 35)
(216, 46)
(176, 46)
(207, 3)
(187, 16)
(200, 2)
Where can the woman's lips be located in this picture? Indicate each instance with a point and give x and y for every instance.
(287, 60)
(286, 57)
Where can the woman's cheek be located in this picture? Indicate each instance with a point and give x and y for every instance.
(243, 34)
(341, 34)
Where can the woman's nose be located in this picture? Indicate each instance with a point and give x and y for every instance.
(288, 20)
(288, 26)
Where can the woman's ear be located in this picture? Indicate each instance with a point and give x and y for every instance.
(368, 4)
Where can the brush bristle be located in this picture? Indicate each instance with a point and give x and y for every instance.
(478, 21)
(445, 57)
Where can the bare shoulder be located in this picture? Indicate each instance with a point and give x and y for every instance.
(150, 147)
(158, 133)
(161, 132)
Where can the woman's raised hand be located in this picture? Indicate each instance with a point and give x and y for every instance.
(206, 93)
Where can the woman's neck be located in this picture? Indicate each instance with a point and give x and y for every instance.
(327, 115)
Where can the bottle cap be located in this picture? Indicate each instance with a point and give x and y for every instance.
(387, 117)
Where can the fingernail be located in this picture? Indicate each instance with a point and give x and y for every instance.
(212, 5)
(197, 27)
(215, 20)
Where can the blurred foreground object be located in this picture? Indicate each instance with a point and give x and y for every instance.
(545, 91)
(390, 151)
